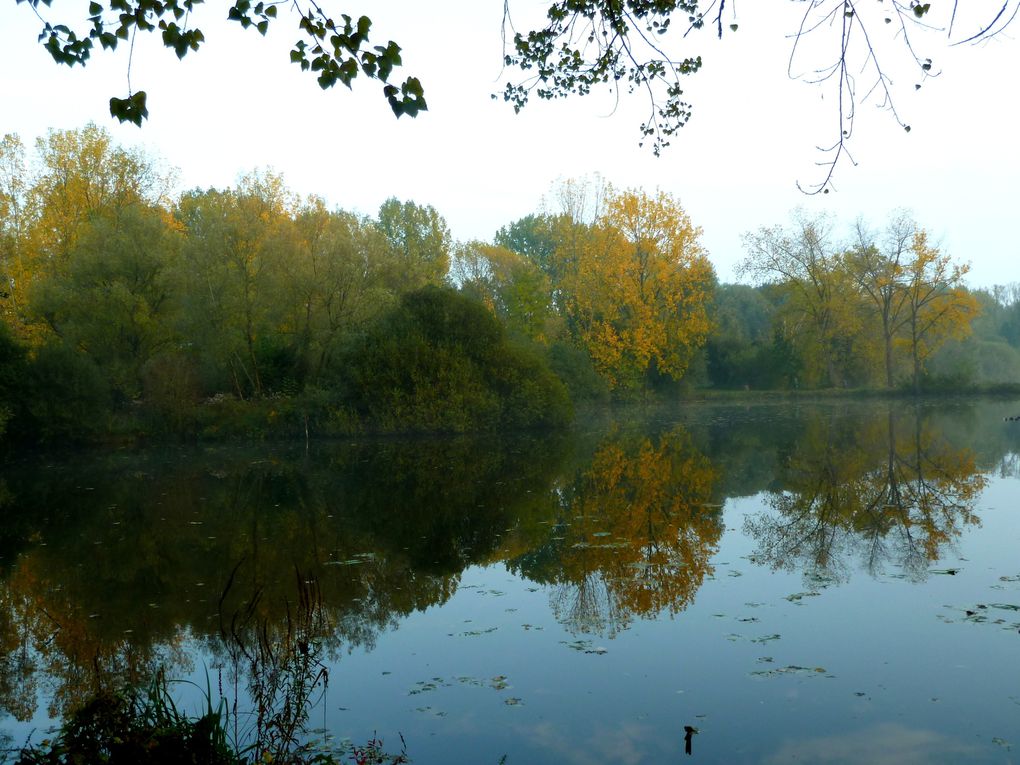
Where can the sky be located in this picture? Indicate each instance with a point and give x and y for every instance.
(239, 104)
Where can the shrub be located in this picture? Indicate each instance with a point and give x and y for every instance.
(67, 398)
(441, 362)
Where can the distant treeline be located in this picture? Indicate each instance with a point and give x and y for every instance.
(125, 310)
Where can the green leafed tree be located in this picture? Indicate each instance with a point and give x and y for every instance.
(335, 282)
(510, 285)
(236, 244)
(420, 244)
(113, 300)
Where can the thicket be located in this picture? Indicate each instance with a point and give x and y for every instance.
(127, 312)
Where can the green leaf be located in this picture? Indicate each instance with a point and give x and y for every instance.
(131, 109)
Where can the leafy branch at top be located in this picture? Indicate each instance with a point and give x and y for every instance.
(335, 50)
(589, 43)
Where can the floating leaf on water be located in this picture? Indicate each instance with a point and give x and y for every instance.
(476, 633)
(499, 682)
(765, 659)
(1004, 606)
(945, 571)
(765, 638)
(799, 595)
(426, 685)
(1010, 578)
(513, 701)
(790, 670)
(735, 573)
(1001, 742)
(585, 646)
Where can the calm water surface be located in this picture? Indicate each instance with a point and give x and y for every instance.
(832, 583)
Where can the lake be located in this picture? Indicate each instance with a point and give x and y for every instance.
(799, 582)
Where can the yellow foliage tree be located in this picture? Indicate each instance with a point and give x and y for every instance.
(819, 307)
(938, 306)
(636, 285)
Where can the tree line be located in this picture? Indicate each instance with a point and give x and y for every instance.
(254, 309)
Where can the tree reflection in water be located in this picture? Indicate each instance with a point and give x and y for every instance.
(634, 534)
(113, 569)
(890, 491)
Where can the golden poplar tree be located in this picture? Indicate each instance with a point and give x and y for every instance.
(636, 285)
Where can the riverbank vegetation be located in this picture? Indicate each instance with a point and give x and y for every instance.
(128, 311)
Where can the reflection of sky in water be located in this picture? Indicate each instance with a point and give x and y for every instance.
(769, 666)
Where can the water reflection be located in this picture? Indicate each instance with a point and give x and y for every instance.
(883, 491)
(634, 532)
(110, 568)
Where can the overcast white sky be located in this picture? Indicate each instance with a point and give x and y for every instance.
(239, 104)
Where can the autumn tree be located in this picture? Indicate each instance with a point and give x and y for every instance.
(78, 177)
(819, 298)
(636, 285)
(877, 264)
(83, 173)
(915, 292)
(15, 219)
(937, 305)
